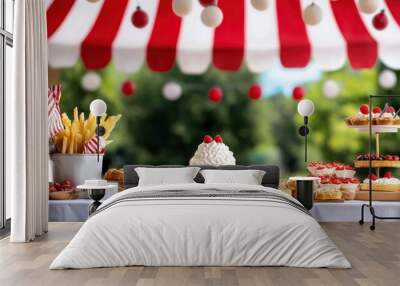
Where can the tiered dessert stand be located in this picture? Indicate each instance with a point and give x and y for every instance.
(375, 164)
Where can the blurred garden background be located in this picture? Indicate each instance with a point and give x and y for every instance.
(154, 130)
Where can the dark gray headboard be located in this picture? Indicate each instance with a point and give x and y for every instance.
(271, 177)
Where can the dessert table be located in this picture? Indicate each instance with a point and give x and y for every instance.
(69, 210)
(75, 210)
(348, 211)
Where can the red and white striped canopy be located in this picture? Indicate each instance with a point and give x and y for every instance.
(100, 33)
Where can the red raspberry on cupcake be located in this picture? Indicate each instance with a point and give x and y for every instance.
(218, 139)
(388, 175)
(377, 109)
(364, 109)
(388, 158)
(207, 139)
(391, 109)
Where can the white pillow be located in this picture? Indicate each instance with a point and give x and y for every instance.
(247, 177)
(166, 176)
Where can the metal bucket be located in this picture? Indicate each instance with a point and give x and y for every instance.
(76, 167)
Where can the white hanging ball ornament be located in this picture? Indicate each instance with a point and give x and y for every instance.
(182, 7)
(312, 14)
(172, 90)
(305, 107)
(91, 81)
(331, 89)
(212, 16)
(260, 5)
(98, 107)
(387, 79)
(368, 6)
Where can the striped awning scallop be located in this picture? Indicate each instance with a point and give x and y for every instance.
(100, 33)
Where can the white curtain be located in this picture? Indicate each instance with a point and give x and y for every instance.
(26, 124)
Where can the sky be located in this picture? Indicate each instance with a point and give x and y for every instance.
(283, 80)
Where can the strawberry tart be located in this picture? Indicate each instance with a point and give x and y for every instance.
(378, 160)
(361, 118)
(387, 116)
(212, 152)
(386, 183)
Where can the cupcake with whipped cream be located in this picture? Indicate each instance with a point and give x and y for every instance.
(387, 179)
(362, 117)
(376, 113)
(212, 152)
(387, 117)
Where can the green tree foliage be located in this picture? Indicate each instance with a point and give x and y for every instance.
(285, 134)
(154, 130)
(331, 139)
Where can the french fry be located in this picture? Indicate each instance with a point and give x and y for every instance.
(65, 120)
(82, 120)
(76, 119)
(79, 143)
(90, 125)
(76, 144)
(79, 131)
(87, 135)
(110, 125)
(103, 118)
(71, 144)
(64, 145)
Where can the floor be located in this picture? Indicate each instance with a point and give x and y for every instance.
(4, 232)
(375, 257)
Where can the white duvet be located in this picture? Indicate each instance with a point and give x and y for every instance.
(200, 231)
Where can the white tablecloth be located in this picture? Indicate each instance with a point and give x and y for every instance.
(349, 211)
(73, 210)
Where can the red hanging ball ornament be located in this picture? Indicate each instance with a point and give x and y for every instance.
(380, 20)
(139, 18)
(298, 93)
(206, 3)
(215, 94)
(128, 88)
(255, 92)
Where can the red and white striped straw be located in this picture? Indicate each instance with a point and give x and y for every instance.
(54, 112)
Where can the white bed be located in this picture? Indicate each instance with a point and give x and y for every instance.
(185, 230)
